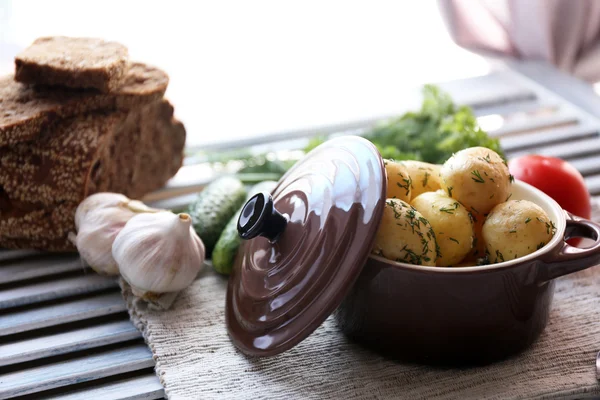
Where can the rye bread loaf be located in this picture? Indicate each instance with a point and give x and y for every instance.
(41, 183)
(73, 62)
(26, 110)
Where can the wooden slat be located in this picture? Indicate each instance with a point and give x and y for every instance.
(55, 289)
(514, 143)
(76, 370)
(176, 203)
(543, 77)
(494, 89)
(56, 314)
(142, 387)
(535, 124)
(9, 255)
(42, 265)
(587, 165)
(593, 184)
(529, 107)
(189, 179)
(566, 150)
(67, 342)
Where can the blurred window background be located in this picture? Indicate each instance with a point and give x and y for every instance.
(241, 69)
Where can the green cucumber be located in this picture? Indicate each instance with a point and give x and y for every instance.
(227, 246)
(214, 207)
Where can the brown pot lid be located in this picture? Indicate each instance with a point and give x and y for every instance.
(332, 203)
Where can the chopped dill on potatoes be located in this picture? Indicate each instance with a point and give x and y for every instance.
(487, 159)
(407, 184)
(454, 240)
(477, 176)
(451, 209)
(392, 205)
(550, 227)
(425, 178)
(410, 256)
(449, 191)
(528, 220)
(438, 251)
(499, 256)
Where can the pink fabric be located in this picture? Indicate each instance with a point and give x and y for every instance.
(565, 33)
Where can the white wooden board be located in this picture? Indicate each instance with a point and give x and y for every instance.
(56, 314)
(587, 165)
(54, 289)
(143, 387)
(39, 266)
(535, 124)
(66, 342)
(7, 255)
(76, 370)
(536, 139)
(593, 184)
(572, 149)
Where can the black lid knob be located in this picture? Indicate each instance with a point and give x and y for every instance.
(260, 218)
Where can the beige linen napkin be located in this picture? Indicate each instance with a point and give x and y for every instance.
(196, 360)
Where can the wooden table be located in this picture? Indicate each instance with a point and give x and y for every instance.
(65, 332)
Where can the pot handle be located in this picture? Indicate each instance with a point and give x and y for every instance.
(567, 259)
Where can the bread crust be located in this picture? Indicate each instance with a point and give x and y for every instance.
(42, 183)
(73, 62)
(26, 111)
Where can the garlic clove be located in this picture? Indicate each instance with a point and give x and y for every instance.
(98, 219)
(95, 202)
(159, 252)
(96, 235)
(139, 207)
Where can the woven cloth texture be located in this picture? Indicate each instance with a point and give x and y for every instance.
(196, 360)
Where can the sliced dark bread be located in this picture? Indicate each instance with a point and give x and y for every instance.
(26, 110)
(73, 62)
(128, 152)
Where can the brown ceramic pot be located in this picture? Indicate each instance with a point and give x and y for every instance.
(308, 254)
(471, 314)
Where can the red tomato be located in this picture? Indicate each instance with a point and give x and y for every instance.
(558, 179)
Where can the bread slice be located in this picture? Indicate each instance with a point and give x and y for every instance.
(42, 183)
(26, 111)
(73, 62)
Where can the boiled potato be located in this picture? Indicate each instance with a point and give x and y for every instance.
(425, 177)
(398, 181)
(451, 223)
(405, 235)
(516, 228)
(478, 250)
(477, 177)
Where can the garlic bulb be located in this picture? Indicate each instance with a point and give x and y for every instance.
(95, 202)
(158, 253)
(96, 235)
(106, 200)
(98, 219)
